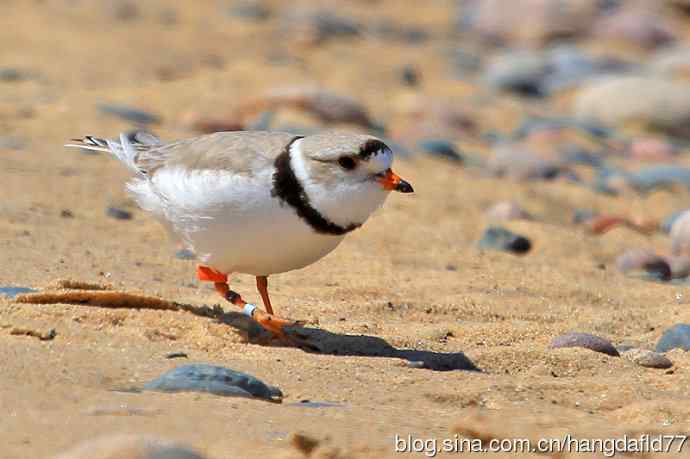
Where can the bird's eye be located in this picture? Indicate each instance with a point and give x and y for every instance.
(347, 163)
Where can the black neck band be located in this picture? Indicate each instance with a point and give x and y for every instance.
(288, 189)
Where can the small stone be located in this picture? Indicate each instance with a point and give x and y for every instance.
(680, 234)
(522, 73)
(659, 103)
(185, 254)
(646, 261)
(440, 148)
(128, 113)
(647, 358)
(215, 380)
(123, 10)
(507, 210)
(514, 161)
(585, 340)
(409, 76)
(676, 337)
(680, 266)
(12, 143)
(11, 75)
(66, 213)
(497, 238)
(250, 10)
(11, 292)
(118, 214)
(128, 447)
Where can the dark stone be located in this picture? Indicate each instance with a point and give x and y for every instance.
(253, 11)
(327, 26)
(441, 148)
(118, 214)
(12, 292)
(497, 238)
(409, 76)
(127, 113)
(11, 75)
(215, 380)
(676, 337)
(587, 341)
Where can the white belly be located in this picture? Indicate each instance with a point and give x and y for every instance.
(232, 222)
(274, 241)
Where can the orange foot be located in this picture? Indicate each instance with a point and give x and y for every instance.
(274, 324)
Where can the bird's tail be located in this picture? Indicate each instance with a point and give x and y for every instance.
(126, 149)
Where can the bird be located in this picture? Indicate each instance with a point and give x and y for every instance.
(256, 202)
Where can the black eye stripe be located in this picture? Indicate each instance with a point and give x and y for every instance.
(371, 147)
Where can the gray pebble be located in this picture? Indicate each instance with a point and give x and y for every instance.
(118, 214)
(497, 238)
(441, 148)
(680, 266)
(11, 75)
(585, 340)
(215, 380)
(645, 261)
(519, 72)
(659, 103)
(676, 337)
(409, 76)
(131, 114)
(251, 10)
(647, 358)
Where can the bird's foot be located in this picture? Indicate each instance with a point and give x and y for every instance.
(274, 324)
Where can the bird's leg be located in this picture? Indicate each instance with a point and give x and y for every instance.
(267, 320)
(262, 287)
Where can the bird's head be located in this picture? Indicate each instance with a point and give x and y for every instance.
(346, 176)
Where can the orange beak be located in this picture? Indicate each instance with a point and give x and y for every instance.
(391, 181)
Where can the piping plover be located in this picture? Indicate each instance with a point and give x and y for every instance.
(257, 202)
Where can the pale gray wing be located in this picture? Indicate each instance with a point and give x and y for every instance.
(240, 152)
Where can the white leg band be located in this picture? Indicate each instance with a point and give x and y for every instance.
(248, 309)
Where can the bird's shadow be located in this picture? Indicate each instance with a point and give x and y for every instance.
(321, 341)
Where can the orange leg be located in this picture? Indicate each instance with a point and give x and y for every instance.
(262, 287)
(266, 320)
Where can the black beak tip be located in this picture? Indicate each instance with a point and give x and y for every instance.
(404, 187)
